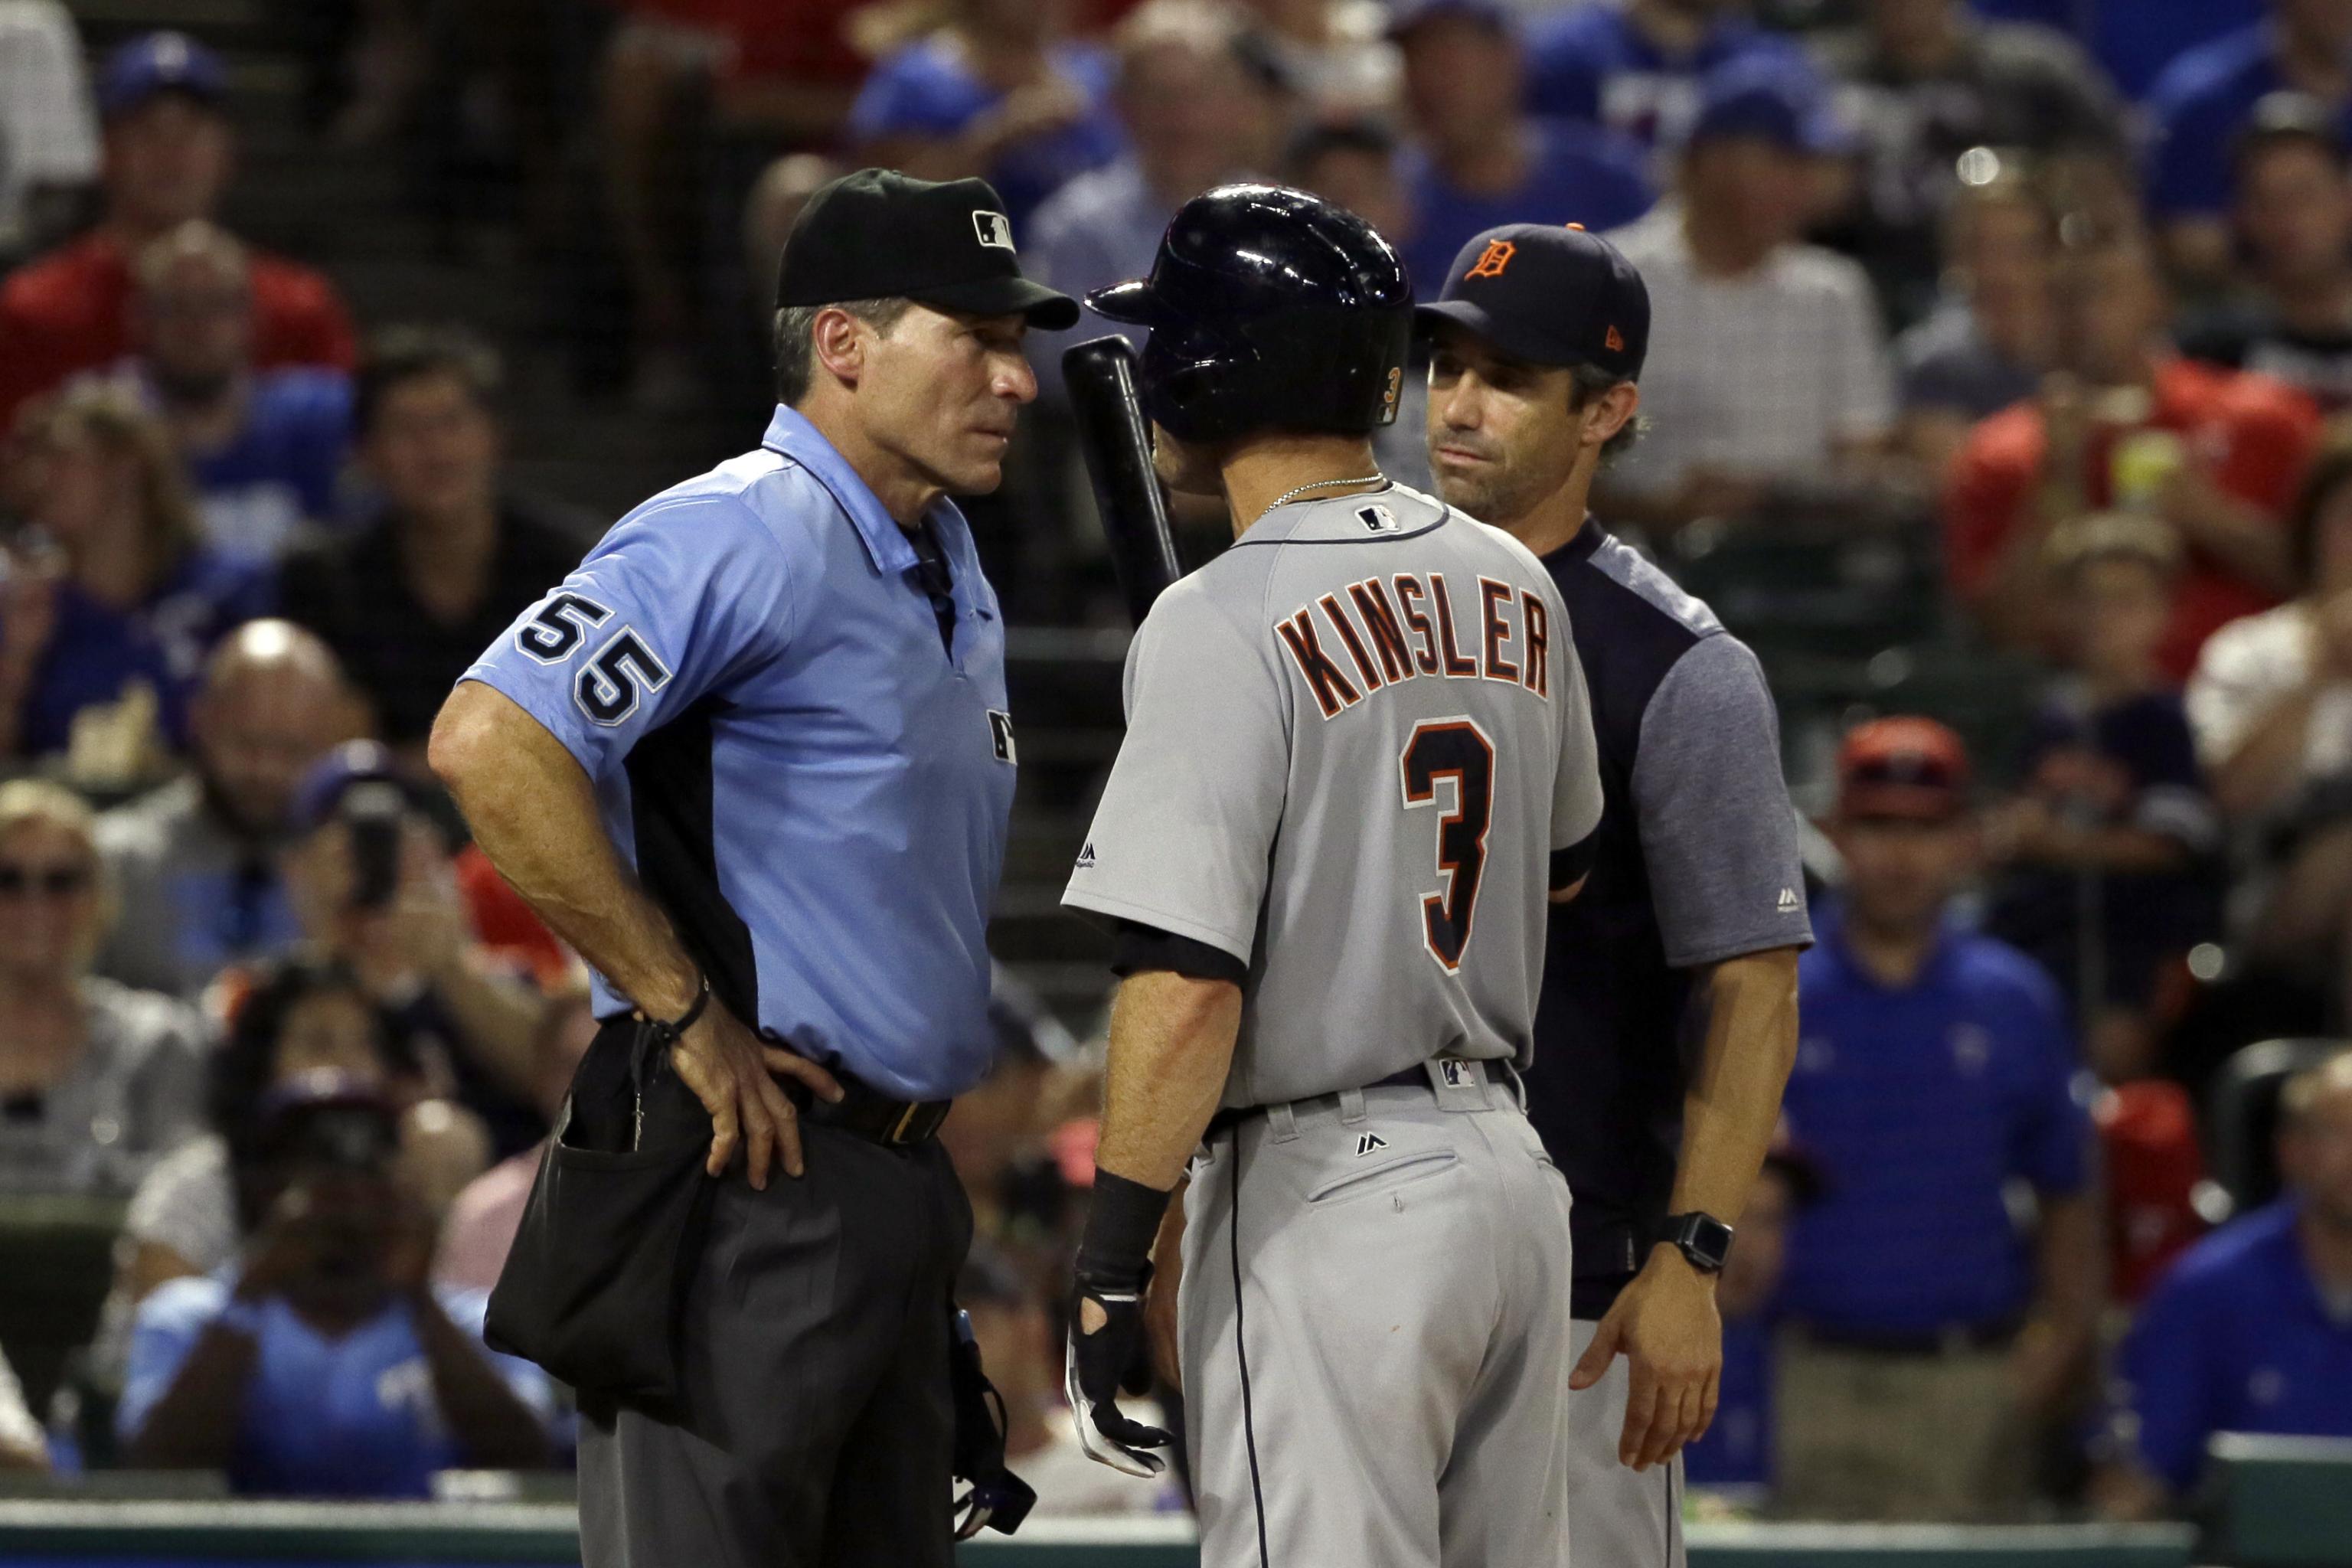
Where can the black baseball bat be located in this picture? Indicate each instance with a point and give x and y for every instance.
(1100, 375)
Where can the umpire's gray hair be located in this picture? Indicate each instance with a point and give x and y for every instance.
(794, 332)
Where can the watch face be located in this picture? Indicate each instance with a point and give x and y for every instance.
(1703, 1239)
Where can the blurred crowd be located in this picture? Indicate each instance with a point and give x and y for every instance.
(2011, 340)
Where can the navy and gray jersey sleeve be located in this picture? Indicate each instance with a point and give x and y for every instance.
(680, 596)
(1181, 839)
(1718, 834)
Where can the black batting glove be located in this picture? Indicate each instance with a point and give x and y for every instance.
(1106, 1324)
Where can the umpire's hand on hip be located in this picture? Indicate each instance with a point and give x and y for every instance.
(1666, 1325)
(734, 1072)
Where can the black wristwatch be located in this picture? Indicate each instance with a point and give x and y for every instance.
(1702, 1239)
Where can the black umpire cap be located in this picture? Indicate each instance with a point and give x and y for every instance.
(881, 235)
(1549, 296)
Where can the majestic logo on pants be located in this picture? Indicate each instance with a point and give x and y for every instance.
(1366, 1143)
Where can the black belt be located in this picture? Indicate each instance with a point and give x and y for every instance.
(1415, 1076)
(1950, 1340)
(869, 1113)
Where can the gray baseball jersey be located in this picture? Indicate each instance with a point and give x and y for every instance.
(1355, 742)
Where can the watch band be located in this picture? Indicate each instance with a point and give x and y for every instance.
(1703, 1239)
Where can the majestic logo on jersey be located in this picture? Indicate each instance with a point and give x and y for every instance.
(1789, 903)
(999, 731)
(1387, 636)
(995, 230)
(1369, 1143)
(1087, 857)
(1493, 259)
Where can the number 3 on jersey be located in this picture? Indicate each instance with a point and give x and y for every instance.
(1454, 749)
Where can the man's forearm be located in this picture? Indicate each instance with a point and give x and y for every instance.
(533, 811)
(2073, 1267)
(1734, 1099)
(499, 1017)
(496, 1428)
(1171, 1045)
(195, 1425)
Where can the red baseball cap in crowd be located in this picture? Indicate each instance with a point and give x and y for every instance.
(1912, 768)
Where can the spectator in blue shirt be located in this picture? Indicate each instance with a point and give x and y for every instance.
(2206, 98)
(106, 619)
(1635, 67)
(323, 1363)
(2133, 39)
(993, 93)
(2252, 1329)
(263, 448)
(1936, 1084)
(1483, 161)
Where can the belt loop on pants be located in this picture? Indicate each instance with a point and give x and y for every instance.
(1352, 1107)
(1284, 1122)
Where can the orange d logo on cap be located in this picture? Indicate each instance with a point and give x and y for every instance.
(1493, 259)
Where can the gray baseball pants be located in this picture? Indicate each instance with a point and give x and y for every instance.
(1374, 1334)
(1623, 1520)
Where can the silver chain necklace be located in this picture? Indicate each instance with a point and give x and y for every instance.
(1373, 478)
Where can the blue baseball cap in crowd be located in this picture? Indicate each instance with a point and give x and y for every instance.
(157, 63)
(1407, 14)
(333, 775)
(1767, 101)
(1549, 296)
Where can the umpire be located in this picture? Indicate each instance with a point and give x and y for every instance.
(1668, 1023)
(752, 760)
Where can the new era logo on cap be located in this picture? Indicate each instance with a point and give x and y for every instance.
(994, 229)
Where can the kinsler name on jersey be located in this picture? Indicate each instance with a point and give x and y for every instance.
(1403, 627)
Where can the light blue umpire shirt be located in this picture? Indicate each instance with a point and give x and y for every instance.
(752, 673)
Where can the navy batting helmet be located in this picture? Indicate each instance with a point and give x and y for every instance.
(1269, 309)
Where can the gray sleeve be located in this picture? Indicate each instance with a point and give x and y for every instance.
(1181, 837)
(1575, 791)
(1718, 834)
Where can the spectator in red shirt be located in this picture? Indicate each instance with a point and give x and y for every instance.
(169, 152)
(2126, 424)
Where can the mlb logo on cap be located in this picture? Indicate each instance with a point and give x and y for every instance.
(994, 229)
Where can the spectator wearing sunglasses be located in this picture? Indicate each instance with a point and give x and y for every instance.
(97, 1081)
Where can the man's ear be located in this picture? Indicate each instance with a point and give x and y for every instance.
(1610, 412)
(838, 341)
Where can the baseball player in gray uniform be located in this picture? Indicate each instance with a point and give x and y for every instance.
(1359, 762)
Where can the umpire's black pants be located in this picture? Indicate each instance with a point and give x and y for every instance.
(818, 1419)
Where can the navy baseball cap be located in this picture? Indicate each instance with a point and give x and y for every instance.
(1767, 101)
(1549, 296)
(881, 235)
(157, 63)
(333, 775)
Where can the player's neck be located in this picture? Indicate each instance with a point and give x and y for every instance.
(1557, 519)
(1261, 472)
